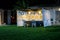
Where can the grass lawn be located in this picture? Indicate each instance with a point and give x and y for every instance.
(21, 33)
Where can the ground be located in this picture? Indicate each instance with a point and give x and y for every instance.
(21, 33)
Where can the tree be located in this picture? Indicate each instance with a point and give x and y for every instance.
(20, 5)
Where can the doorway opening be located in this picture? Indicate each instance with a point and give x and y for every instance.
(13, 18)
(10, 19)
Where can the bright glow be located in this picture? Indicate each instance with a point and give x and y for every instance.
(24, 17)
(59, 9)
(28, 17)
(31, 16)
(29, 12)
(38, 17)
(39, 12)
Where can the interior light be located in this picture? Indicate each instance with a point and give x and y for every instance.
(59, 9)
(39, 12)
(29, 12)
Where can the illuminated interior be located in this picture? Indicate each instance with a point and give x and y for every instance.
(32, 15)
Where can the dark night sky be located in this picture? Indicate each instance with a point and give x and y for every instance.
(44, 2)
(8, 4)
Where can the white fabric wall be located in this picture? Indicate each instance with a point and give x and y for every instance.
(20, 21)
(53, 15)
(46, 17)
(57, 18)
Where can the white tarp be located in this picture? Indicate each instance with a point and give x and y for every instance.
(19, 19)
(46, 17)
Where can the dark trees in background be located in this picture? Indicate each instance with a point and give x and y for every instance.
(22, 4)
(16, 4)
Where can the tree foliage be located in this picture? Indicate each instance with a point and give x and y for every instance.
(20, 5)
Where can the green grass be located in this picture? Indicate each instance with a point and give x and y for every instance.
(21, 33)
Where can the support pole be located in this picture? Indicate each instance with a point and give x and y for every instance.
(9, 17)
